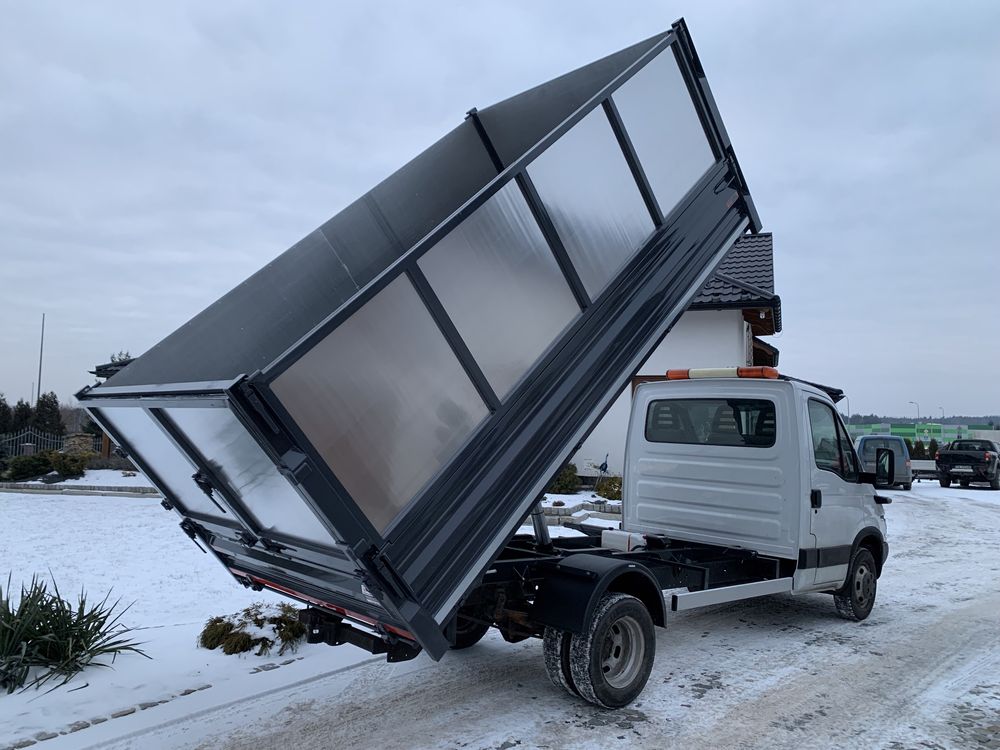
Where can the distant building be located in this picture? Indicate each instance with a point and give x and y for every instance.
(926, 431)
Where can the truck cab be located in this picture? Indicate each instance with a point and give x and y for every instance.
(755, 463)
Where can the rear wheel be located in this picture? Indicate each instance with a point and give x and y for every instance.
(611, 662)
(995, 481)
(468, 632)
(857, 597)
(963, 482)
(555, 646)
(908, 486)
(945, 482)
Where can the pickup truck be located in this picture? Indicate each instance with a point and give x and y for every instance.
(365, 423)
(966, 461)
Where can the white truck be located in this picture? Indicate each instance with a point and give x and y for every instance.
(365, 423)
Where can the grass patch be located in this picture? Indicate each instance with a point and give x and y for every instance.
(45, 638)
(260, 626)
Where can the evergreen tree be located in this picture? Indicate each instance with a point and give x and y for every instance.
(21, 415)
(932, 448)
(90, 426)
(6, 416)
(47, 417)
(918, 450)
(909, 446)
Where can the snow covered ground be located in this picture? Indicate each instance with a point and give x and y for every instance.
(133, 548)
(922, 671)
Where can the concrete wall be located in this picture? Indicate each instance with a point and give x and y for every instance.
(702, 338)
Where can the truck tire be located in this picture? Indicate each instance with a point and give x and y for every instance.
(857, 596)
(611, 661)
(468, 632)
(945, 482)
(963, 483)
(995, 481)
(555, 647)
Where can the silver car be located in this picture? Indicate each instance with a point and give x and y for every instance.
(866, 445)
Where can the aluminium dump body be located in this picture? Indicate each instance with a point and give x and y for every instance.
(367, 420)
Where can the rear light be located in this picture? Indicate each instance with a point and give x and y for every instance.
(907, 463)
(937, 455)
(987, 456)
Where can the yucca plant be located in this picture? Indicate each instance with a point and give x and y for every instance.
(47, 632)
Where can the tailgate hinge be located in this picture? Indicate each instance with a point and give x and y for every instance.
(381, 577)
(259, 407)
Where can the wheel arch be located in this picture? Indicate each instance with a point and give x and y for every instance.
(568, 596)
(871, 538)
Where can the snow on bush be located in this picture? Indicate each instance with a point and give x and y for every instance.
(258, 626)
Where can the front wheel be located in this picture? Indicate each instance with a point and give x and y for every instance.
(857, 596)
(908, 486)
(964, 483)
(611, 661)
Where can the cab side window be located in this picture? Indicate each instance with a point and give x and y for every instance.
(831, 444)
(848, 459)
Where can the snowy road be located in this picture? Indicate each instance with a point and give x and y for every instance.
(923, 671)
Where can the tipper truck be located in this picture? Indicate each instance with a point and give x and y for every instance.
(365, 424)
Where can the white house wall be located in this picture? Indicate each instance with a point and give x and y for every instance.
(701, 338)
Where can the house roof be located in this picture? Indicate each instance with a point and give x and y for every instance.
(745, 281)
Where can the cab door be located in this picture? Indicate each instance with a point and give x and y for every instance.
(836, 500)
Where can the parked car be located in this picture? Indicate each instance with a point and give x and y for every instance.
(966, 461)
(867, 445)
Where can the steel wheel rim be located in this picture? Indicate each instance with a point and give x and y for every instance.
(864, 585)
(622, 652)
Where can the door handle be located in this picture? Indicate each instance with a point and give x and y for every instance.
(816, 498)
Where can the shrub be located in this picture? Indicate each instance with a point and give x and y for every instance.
(71, 464)
(256, 627)
(46, 634)
(215, 632)
(610, 488)
(565, 482)
(237, 642)
(29, 467)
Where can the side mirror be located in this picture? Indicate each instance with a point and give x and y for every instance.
(885, 468)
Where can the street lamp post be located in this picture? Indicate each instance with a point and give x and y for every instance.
(942, 412)
(918, 408)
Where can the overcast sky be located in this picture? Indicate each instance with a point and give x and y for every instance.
(154, 155)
